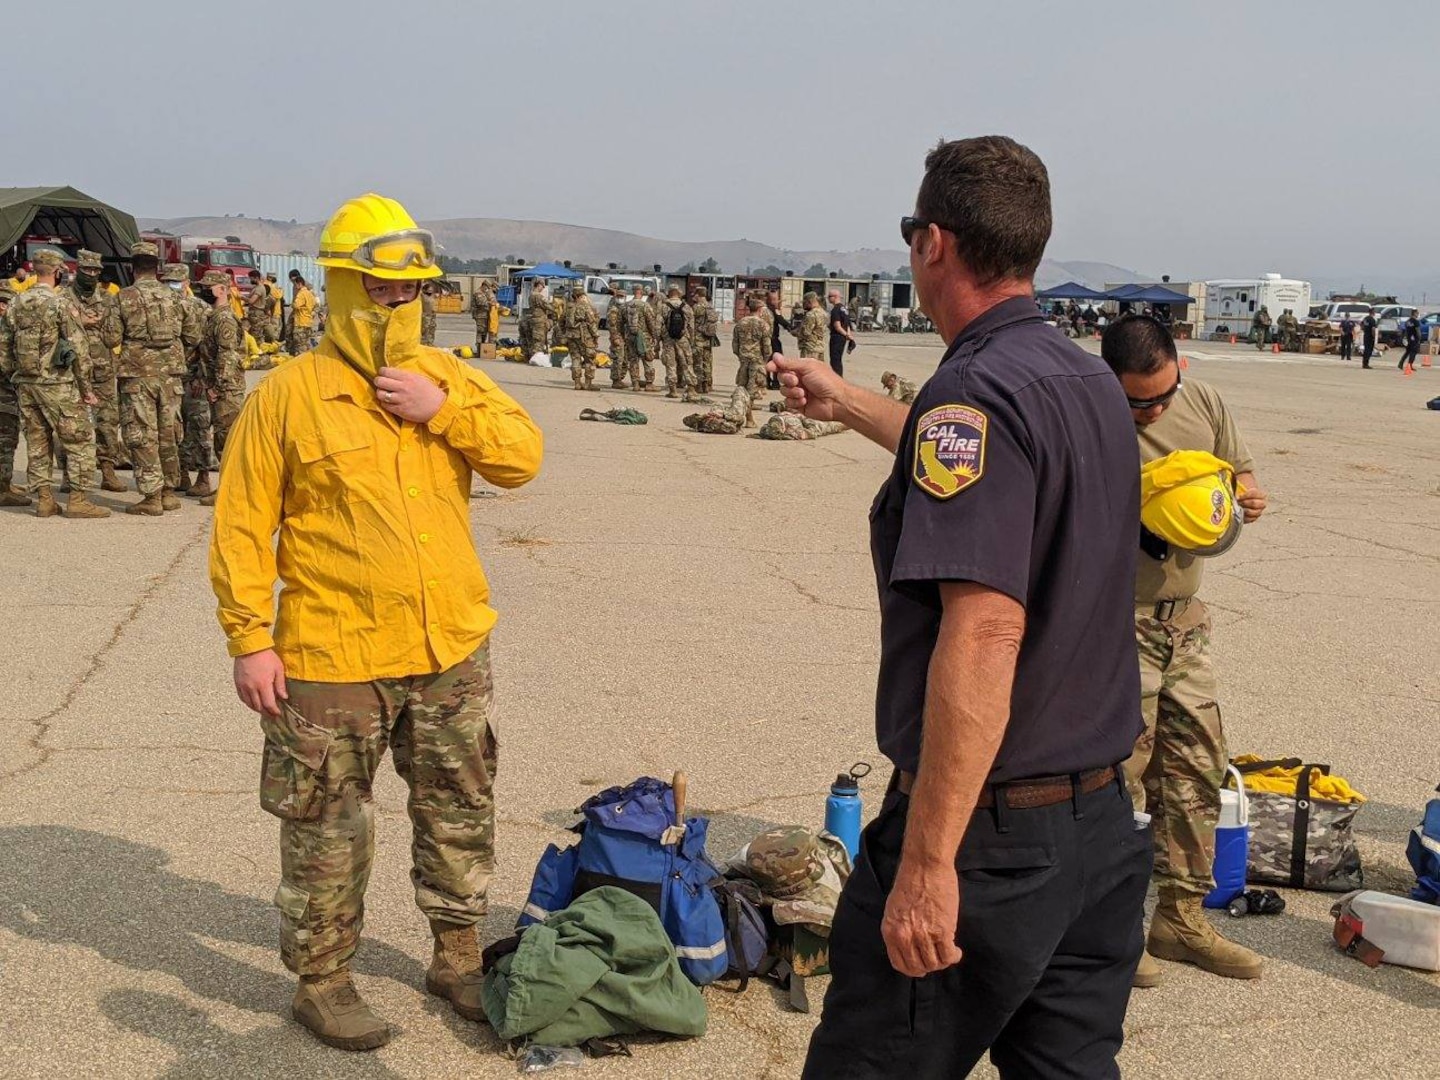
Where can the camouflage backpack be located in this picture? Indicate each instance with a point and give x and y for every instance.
(1299, 841)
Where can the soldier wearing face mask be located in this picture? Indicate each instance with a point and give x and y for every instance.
(100, 316)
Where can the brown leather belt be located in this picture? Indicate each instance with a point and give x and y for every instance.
(1030, 794)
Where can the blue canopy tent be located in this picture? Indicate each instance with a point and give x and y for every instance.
(548, 270)
(1147, 294)
(1071, 290)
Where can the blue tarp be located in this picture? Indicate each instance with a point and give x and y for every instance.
(1071, 290)
(548, 270)
(1148, 294)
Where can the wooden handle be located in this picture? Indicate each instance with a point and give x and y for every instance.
(679, 784)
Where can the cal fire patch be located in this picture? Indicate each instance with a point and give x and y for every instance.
(949, 450)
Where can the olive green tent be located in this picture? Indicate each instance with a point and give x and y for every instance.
(70, 215)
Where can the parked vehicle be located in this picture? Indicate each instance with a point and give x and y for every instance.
(1391, 319)
(601, 287)
(1231, 304)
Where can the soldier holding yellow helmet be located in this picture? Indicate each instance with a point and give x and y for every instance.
(1197, 485)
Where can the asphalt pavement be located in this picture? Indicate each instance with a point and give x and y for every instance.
(673, 600)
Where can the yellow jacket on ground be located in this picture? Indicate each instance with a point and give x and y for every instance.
(378, 571)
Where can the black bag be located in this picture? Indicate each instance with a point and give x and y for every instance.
(675, 322)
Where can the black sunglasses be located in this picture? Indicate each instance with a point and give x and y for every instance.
(909, 226)
(1163, 400)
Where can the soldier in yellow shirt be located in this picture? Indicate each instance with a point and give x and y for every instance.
(347, 479)
(302, 315)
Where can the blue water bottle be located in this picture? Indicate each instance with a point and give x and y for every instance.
(842, 808)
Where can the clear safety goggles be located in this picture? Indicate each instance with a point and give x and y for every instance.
(396, 251)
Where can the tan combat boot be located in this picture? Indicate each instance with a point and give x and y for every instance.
(336, 1014)
(168, 499)
(455, 972)
(201, 487)
(1181, 932)
(80, 506)
(208, 500)
(150, 506)
(1147, 974)
(108, 480)
(45, 504)
(13, 496)
(183, 487)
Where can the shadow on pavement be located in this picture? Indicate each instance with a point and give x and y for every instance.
(204, 1049)
(65, 886)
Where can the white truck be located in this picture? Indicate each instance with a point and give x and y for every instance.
(1231, 303)
(600, 288)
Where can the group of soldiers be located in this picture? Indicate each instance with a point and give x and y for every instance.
(150, 378)
(1287, 329)
(757, 336)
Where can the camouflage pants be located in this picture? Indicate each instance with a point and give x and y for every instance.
(146, 406)
(482, 331)
(299, 340)
(109, 447)
(582, 362)
(619, 359)
(9, 433)
(703, 364)
(319, 762)
(56, 421)
(177, 429)
(812, 352)
(1179, 762)
(224, 411)
(675, 355)
(256, 326)
(752, 376)
(427, 330)
(642, 363)
(195, 449)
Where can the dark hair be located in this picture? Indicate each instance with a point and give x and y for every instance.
(1137, 345)
(994, 195)
(146, 264)
(255, 275)
(295, 276)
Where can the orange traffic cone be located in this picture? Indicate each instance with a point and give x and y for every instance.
(1275, 348)
(1232, 339)
(1425, 360)
(1184, 362)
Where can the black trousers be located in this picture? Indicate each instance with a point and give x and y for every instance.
(1347, 348)
(1412, 350)
(1051, 906)
(1367, 349)
(837, 354)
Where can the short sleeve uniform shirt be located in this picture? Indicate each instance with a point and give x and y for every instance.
(1018, 470)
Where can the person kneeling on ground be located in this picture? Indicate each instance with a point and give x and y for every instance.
(359, 456)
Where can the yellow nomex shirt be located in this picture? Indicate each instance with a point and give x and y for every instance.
(302, 307)
(379, 575)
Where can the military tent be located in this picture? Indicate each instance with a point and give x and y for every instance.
(71, 216)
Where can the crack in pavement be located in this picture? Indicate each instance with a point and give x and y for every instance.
(813, 597)
(43, 722)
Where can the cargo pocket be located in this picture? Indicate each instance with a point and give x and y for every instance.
(294, 907)
(291, 765)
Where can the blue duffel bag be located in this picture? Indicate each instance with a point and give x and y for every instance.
(628, 839)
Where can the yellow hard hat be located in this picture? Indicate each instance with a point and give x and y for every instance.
(1187, 499)
(377, 236)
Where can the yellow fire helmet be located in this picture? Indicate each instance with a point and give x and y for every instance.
(377, 236)
(1187, 499)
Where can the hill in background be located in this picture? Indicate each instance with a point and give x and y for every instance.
(535, 241)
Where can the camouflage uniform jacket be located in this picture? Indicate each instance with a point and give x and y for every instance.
(539, 312)
(38, 320)
(751, 340)
(705, 322)
(194, 312)
(640, 322)
(615, 317)
(687, 333)
(903, 391)
(223, 350)
(257, 310)
(480, 301)
(100, 316)
(151, 330)
(812, 330)
(581, 323)
(767, 317)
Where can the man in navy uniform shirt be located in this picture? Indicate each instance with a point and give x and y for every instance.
(997, 899)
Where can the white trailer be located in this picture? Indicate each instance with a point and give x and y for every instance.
(1231, 304)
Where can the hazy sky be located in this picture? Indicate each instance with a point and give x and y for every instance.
(1212, 138)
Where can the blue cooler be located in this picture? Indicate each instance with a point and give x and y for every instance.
(1232, 844)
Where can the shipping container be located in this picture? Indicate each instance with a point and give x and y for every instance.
(792, 289)
(281, 265)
